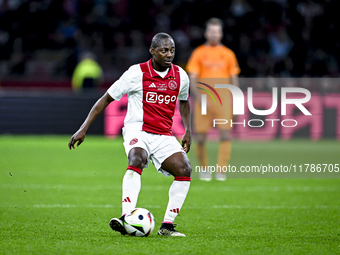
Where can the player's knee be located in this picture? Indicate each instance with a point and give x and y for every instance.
(137, 161)
(223, 139)
(200, 142)
(225, 136)
(138, 158)
(200, 138)
(185, 170)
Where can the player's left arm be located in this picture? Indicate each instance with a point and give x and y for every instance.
(184, 110)
(234, 69)
(95, 111)
(234, 79)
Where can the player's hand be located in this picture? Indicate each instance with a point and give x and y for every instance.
(78, 138)
(186, 142)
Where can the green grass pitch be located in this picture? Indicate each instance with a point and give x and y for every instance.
(56, 201)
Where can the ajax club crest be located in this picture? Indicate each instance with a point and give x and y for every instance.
(133, 141)
(172, 85)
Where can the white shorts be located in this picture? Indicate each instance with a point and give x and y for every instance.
(158, 147)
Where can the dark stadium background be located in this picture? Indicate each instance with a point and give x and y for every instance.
(57, 201)
(41, 42)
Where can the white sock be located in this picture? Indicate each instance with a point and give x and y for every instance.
(177, 194)
(131, 188)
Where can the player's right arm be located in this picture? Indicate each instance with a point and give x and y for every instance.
(193, 86)
(193, 69)
(95, 111)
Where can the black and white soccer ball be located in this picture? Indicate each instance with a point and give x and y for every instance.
(139, 222)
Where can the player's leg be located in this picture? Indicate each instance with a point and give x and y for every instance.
(201, 152)
(177, 165)
(137, 159)
(202, 124)
(224, 152)
(202, 156)
(136, 150)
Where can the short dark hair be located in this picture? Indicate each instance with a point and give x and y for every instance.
(214, 21)
(158, 37)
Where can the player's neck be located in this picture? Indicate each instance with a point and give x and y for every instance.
(213, 44)
(162, 73)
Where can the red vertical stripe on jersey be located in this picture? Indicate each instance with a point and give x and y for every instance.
(159, 99)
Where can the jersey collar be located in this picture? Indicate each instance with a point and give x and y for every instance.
(170, 74)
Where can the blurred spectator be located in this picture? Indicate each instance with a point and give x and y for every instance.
(239, 8)
(280, 47)
(309, 10)
(4, 44)
(87, 74)
(280, 44)
(18, 60)
(258, 61)
(271, 37)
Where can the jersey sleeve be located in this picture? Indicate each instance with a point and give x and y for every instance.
(125, 84)
(193, 65)
(184, 87)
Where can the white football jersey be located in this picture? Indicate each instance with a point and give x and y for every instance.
(151, 98)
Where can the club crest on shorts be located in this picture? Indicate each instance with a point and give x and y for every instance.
(172, 85)
(133, 141)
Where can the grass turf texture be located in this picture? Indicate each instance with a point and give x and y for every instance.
(56, 201)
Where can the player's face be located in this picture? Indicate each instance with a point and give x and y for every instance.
(163, 54)
(214, 34)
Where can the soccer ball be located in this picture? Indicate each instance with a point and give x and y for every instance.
(139, 222)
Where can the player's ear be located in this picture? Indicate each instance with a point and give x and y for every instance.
(152, 50)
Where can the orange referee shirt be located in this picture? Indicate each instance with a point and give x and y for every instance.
(213, 65)
(213, 62)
